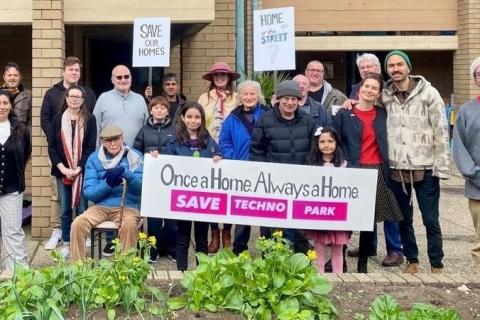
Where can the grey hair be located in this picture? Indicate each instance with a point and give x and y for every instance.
(474, 66)
(368, 57)
(250, 83)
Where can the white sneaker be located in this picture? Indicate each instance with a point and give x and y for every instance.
(54, 239)
(88, 242)
(65, 251)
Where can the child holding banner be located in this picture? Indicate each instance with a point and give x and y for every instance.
(326, 151)
(194, 140)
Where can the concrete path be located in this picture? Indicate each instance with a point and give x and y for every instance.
(458, 235)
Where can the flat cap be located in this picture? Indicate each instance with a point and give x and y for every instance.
(111, 132)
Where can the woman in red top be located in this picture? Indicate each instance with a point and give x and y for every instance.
(363, 131)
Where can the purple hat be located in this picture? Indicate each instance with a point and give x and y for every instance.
(220, 67)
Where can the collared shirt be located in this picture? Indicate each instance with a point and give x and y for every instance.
(126, 111)
(403, 95)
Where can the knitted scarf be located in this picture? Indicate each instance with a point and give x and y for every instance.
(72, 148)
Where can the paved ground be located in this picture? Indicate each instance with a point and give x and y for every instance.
(456, 225)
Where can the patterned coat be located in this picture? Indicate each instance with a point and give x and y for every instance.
(417, 131)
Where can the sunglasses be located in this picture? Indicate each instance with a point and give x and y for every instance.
(126, 77)
(220, 74)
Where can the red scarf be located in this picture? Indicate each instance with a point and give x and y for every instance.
(73, 151)
(222, 96)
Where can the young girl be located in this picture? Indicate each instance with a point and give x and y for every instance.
(327, 152)
(192, 140)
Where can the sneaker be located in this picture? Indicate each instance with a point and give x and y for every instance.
(56, 237)
(108, 250)
(88, 242)
(65, 251)
(411, 268)
(172, 257)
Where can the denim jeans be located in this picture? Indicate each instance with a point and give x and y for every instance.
(393, 240)
(427, 192)
(165, 231)
(66, 212)
(242, 236)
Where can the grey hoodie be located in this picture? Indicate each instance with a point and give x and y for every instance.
(466, 146)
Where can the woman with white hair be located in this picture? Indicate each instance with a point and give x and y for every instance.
(235, 137)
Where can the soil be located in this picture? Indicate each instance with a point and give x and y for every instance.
(352, 300)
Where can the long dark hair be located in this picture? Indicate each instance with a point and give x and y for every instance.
(315, 156)
(181, 130)
(84, 114)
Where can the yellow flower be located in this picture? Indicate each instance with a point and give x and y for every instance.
(278, 234)
(136, 259)
(312, 255)
(122, 278)
(152, 240)
(116, 241)
(142, 236)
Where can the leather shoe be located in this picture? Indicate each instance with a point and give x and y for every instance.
(393, 259)
(355, 252)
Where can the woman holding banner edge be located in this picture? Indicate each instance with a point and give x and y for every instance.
(363, 131)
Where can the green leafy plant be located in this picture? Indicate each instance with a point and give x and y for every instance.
(118, 283)
(385, 307)
(277, 284)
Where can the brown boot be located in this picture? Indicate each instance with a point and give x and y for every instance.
(436, 270)
(214, 242)
(411, 268)
(226, 239)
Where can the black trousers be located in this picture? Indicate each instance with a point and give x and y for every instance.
(184, 231)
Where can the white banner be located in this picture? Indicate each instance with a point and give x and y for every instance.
(258, 193)
(151, 42)
(274, 39)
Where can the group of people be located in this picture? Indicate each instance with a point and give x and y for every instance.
(96, 149)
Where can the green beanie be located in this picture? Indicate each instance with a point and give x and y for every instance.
(402, 55)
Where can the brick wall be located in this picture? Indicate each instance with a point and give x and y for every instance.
(216, 42)
(468, 50)
(48, 49)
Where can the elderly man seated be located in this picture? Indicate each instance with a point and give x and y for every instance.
(104, 173)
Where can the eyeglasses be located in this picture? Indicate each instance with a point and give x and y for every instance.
(126, 77)
(76, 97)
(476, 75)
(315, 70)
(220, 74)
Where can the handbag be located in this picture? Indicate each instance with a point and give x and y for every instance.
(66, 181)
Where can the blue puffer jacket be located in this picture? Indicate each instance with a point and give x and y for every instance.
(96, 189)
(177, 149)
(234, 137)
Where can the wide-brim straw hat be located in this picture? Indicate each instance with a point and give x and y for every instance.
(220, 67)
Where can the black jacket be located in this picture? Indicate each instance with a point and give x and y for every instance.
(20, 135)
(55, 145)
(350, 129)
(154, 136)
(53, 102)
(275, 139)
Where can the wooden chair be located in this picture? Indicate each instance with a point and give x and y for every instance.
(108, 226)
